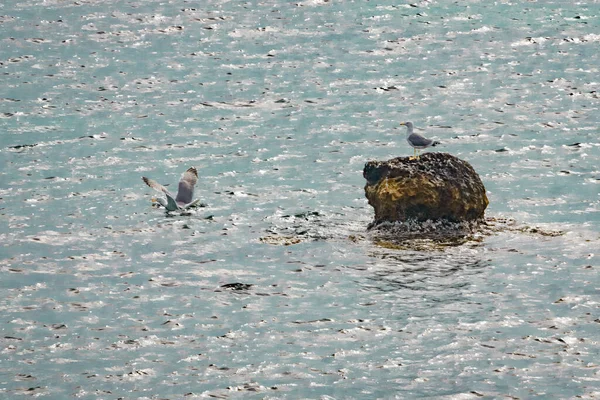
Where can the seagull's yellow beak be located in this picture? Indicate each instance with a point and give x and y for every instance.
(402, 123)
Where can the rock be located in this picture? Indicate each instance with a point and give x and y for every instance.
(280, 240)
(437, 187)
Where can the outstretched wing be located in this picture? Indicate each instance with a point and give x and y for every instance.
(156, 186)
(185, 194)
(171, 205)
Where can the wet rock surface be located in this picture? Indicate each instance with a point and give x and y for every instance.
(436, 187)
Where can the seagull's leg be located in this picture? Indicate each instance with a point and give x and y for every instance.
(414, 154)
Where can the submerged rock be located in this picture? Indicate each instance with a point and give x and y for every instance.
(436, 187)
(280, 240)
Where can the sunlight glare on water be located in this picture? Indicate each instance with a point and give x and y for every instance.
(275, 289)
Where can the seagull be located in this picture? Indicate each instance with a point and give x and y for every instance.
(415, 140)
(185, 193)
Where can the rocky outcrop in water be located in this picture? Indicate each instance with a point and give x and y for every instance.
(436, 186)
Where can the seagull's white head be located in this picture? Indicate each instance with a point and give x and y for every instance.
(158, 200)
(409, 126)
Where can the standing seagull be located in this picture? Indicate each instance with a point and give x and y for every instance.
(415, 140)
(185, 193)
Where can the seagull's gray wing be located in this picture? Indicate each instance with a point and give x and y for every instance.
(155, 185)
(419, 141)
(185, 194)
(171, 204)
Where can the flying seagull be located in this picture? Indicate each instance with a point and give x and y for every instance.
(185, 193)
(416, 141)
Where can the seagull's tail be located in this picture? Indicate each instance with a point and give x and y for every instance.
(435, 143)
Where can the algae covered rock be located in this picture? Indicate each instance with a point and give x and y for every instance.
(436, 186)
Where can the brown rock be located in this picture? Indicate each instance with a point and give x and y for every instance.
(436, 186)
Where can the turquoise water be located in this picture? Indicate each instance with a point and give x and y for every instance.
(279, 105)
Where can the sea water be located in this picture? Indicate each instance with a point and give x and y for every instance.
(275, 289)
